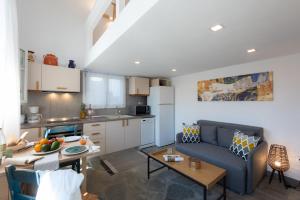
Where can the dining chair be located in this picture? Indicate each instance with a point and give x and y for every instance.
(16, 180)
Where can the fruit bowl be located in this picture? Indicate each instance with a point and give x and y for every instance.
(46, 152)
(45, 146)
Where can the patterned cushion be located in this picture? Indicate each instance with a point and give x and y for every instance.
(243, 144)
(191, 134)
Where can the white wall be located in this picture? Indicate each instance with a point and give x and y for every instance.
(279, 118)
(55, 26)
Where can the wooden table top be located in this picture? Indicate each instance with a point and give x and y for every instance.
(208, 175)
(62, 158)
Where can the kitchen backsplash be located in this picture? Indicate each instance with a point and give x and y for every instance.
(68, 104)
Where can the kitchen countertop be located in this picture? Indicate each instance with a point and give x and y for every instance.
(83, 121)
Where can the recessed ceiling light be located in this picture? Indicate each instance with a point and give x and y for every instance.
(251, 50)
(216, 27)
(173, 70)
(137, 62)
(111, 18)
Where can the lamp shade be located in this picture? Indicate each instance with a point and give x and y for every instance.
(278, 158)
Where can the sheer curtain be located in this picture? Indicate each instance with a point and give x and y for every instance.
(104, 91)
(95, 89)
(116, 92)
(9, 71)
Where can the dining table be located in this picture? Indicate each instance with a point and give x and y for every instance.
(4, 192)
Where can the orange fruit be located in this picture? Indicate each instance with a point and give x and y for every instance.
(82, 141)
(38, 148)
(60, 140)
(44, 141)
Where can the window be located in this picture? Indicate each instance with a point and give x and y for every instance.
(104, 91)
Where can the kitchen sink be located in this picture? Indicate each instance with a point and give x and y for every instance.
(118, 116)
(112, 116)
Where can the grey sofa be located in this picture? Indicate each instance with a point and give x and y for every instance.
(216, 137)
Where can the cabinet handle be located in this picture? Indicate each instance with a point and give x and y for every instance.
(96, 125)
(137, 90)
(37, 85)
(126, 122)
(61, 88)
(122, 123)
(96, 142)
(96, 133)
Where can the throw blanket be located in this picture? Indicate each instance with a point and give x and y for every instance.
(60, 185)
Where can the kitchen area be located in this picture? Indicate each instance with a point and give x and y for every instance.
(54, 97)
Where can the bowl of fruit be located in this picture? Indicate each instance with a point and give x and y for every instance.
(45, 146)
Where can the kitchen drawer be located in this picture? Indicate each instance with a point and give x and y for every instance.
(94, 127)
(95, 134)
(101, 143)
(97, 137)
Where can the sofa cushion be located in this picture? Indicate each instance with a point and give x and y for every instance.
(191, 133)
(221, 157)
(209, 134)
(243, 144)
(224, 136)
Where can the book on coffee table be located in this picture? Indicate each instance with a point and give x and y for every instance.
(173, 158)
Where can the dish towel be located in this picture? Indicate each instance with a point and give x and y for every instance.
(59, 185)
(49, 162)
(94, 148)
(22, 160)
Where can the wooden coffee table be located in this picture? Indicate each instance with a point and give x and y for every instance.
(207, 176)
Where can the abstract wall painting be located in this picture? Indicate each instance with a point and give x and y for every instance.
(250, 87)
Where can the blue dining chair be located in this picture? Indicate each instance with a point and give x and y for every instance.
(17, 178)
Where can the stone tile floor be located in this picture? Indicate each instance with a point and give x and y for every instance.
(131, 182)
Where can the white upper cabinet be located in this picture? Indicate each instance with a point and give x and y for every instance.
(34, 76)
(139, 86)
(60, 79)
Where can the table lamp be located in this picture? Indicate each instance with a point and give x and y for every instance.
(278, 161)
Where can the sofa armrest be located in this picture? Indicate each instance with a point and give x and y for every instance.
(256, 166)
(179, 138)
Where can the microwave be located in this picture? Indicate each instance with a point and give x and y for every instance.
(139, 110)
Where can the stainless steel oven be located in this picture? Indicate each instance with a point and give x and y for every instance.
(63, 127)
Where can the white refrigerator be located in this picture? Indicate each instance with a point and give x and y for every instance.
(161, 100)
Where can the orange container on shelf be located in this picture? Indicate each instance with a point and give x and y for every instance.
(50, 59)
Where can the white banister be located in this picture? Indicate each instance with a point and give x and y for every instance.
(120, 5)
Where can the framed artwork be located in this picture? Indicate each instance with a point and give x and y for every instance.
(249, 87)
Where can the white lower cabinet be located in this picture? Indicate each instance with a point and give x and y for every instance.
(122, 134)
(132, 133)
(115, 136)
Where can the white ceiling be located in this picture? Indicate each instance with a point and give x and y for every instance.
(176, 34)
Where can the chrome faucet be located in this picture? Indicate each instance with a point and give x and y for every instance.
(118, 111)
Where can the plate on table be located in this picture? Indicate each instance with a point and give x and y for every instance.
(74, 150)
(72, 138)
(33, 152)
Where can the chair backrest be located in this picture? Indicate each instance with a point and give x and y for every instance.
(17, 178)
